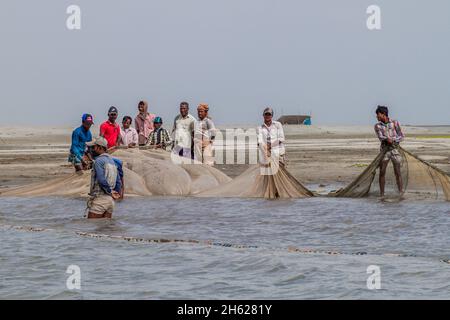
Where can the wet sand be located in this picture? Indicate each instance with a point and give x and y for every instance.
(321, 156)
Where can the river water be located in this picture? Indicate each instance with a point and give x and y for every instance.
(243, 249)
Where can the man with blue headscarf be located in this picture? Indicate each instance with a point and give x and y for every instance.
(80, 136)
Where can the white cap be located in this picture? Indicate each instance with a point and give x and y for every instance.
(268, 110)
(100, 141)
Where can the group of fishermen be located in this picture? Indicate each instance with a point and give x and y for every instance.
(148, 132)
(190, 138)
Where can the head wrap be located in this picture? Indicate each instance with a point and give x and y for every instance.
(203, 106)
(87, 118)
(144, 113)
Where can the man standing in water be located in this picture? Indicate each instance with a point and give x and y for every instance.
(390, 134)
(204, 135)
(110, 130)
(105, 182)
(183, 132)
(80, 136)
(271, 141)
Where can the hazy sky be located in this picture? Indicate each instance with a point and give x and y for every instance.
(237, 55)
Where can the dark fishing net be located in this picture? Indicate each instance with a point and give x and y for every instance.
(421, 180)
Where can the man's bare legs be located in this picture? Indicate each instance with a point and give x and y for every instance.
(78, 169)
(398, 177)
(383, 167)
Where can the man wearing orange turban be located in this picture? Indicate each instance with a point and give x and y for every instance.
(204, 135)
(203, 106)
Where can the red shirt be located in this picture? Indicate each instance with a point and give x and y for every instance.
(110, 131)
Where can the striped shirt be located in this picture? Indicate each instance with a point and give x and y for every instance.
(159, 137)
(390, 130)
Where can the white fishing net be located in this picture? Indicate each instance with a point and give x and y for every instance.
(157, 172)
(256, 183)
(146, 173)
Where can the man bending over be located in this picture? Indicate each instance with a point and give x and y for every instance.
(80, 136)
(105, 182)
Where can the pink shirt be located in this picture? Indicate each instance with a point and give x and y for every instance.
(144, 128)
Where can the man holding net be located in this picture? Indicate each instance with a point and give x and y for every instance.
(390, 134)
(271, 144)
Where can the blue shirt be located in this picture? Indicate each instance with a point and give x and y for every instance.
(79, 138)
(106, 175)
(119, 165)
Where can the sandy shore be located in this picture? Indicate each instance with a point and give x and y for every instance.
(324, 156)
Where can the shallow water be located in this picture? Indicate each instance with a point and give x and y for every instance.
(33, 264)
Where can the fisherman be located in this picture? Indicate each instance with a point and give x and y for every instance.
(204, 135)
(159, 138)
(80, 136)
(390, 134)
(110, 130)
(128, 134)
(183, 132)
(271, 141)
(105, 181)
(144, 122)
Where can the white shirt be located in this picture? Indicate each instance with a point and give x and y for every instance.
(204, 129)
(128, 136)
(275, 134)
(182, 131)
